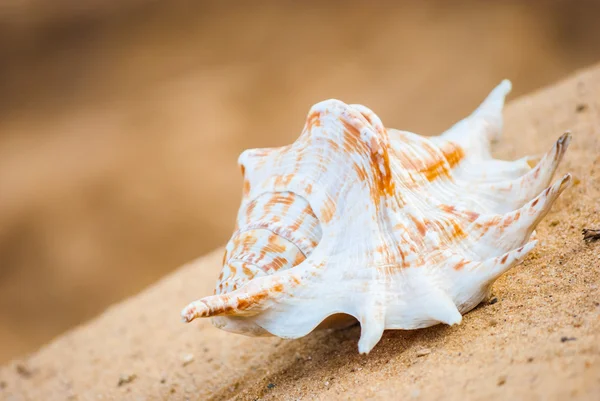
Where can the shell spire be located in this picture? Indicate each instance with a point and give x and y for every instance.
(358, 222)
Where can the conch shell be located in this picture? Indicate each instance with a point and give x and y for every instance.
(355, 221)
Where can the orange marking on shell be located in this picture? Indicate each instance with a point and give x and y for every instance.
(457, 231)
(504, 259)
(328, 210)
(299, 259)
(406, 160)
(276, 198)
(453, 153)
(361, 172)
(471, 216)
(287, 179)
(419, 225)
(247, 272)
(307, 211)
(224, 260)
(507, 221)
(250, 209)
(387, 186)
(439, 166)
(249, 241)
(274, 244)
(309, 189)
(439, 225)
(297, 224)
(382, 183)
(261, 255)
(314, 119)
(277, 263)
(245, 303)
(333, 145)
(288, 202)
(447, 208)
(246, 188)
(460, 265)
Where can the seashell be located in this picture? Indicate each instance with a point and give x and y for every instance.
(356, 222)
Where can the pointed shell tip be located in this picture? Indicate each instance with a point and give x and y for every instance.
(506, 85)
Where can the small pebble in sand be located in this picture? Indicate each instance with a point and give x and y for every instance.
(565, 339)
(326, 384)
(493, 301)
(423, 352)
(530, 359)
(271, 386)
(501, 380)
(187, 359)
(590, 235)
(126, 378)
(580, 107)
(23, 370)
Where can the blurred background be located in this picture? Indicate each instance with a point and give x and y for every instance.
(121, 121)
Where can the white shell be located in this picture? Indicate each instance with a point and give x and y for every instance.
(396, 230)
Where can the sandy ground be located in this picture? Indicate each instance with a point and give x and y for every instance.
(119, 131)
(540, 339)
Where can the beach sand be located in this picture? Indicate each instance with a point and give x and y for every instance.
(538, 339)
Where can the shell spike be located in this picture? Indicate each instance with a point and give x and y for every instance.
(549, 162)
(535, 210)
(441, 308)
(483, 126)
(490, 110)
(515, 193)
(372, 326)
(515, 228)
(247, 301)
(491, 269)
(371, 316)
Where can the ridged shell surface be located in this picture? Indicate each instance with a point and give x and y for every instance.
(356, 221)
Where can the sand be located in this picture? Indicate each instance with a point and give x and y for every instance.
(538, 338)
